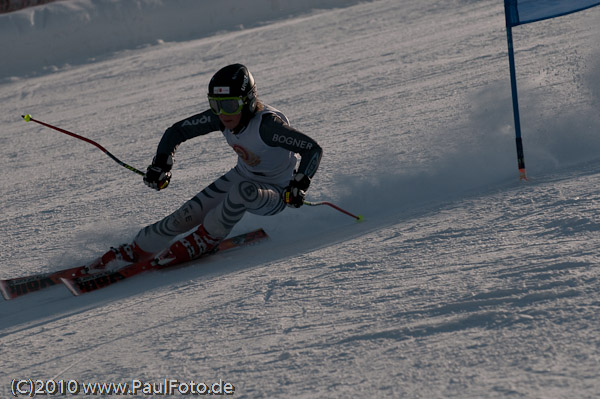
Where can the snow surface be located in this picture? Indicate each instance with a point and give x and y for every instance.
(463, 282)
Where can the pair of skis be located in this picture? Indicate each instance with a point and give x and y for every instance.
(79, 281)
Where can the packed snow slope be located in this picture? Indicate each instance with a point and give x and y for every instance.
(462, 282)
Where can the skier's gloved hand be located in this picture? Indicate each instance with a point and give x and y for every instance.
(158, 175)
(294, 193)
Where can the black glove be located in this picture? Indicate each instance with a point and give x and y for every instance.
(158, 174)
(294, 193)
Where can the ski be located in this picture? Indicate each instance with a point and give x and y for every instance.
(16, 287)
(91, 282)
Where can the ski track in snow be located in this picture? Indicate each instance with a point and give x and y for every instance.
(461, 282)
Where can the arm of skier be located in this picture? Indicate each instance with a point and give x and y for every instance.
(274, 132)
(158, 174)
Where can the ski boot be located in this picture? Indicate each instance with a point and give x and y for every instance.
(188, 248)
(125, 253)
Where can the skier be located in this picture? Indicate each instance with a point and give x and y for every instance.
(267, 176)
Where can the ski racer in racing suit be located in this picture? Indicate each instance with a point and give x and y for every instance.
(267, 176)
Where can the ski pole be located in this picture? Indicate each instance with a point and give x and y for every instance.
(359, 218)
(28, 118)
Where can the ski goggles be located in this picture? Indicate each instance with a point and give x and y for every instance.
(226, 105)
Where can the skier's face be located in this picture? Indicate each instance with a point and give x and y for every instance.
(230, 121)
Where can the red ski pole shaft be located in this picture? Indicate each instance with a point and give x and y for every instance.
(28, 118)
(359, 218)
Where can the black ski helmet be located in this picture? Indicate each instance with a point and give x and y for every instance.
(233, 81)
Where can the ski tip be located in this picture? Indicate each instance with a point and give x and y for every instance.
(71, 285)
(360, 218)
(27, 117)
(4, 289)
